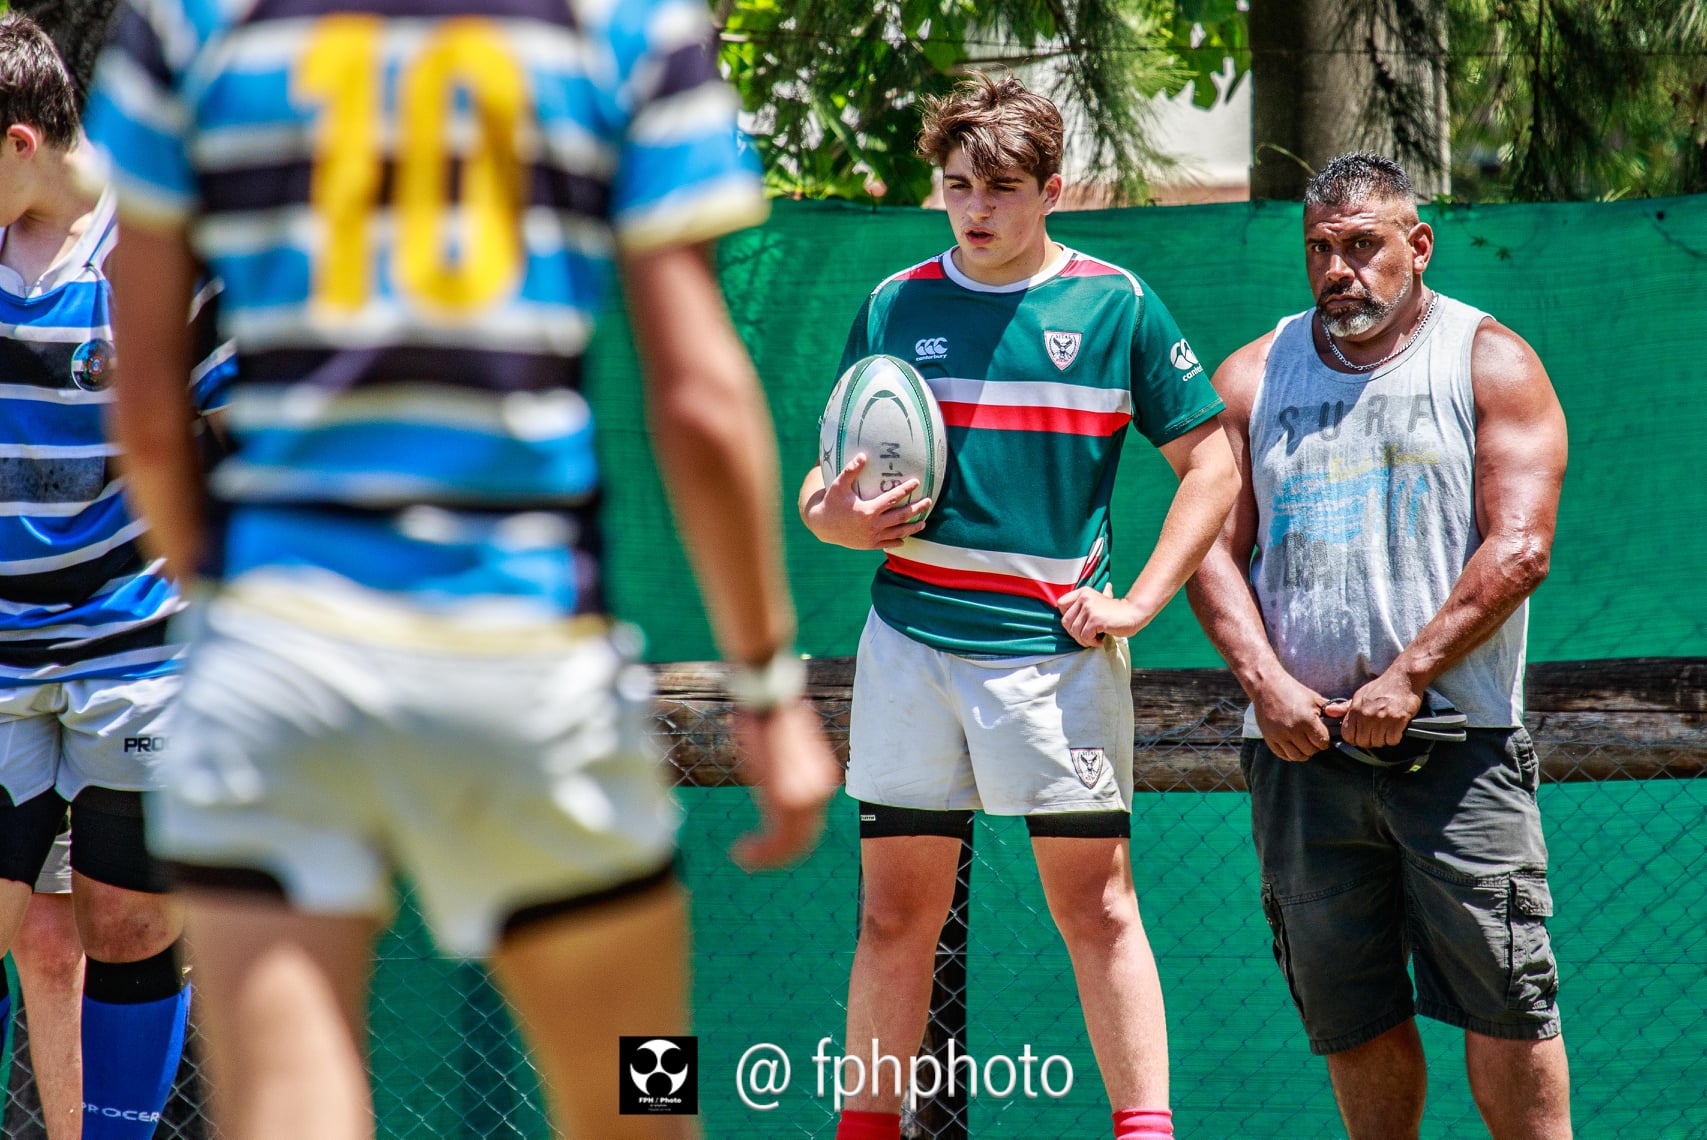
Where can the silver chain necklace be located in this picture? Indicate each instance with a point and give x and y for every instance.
(1410, 340)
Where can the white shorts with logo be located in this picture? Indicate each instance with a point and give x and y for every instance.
(493, 776)
(71, 735)
(1008, 735)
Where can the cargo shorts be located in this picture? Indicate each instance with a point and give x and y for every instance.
(1364, 868)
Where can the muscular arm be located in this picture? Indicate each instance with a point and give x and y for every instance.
(715, 447)
(1288, 713)
(1520, 467)
(152, 273)
(1208, 484)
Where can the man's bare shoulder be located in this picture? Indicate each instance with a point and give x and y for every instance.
(1504, 368)
(1499, 349)
(1240, 375)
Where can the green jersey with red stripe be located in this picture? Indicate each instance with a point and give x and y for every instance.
(1038, 381)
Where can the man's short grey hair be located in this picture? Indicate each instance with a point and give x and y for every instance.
(1356, 177)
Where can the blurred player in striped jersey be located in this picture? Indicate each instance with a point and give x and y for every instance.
(993, 672)
(406, 668)
(87, 675)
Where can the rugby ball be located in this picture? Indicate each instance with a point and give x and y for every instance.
(883, 407)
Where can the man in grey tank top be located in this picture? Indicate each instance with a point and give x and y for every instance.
(1403, 455)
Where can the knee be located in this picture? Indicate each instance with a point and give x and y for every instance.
(901, 921)
(1518, 1075)
(127, 926)
(47, 948)
(1096, 918)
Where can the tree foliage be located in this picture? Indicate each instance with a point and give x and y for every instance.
(1332, 77)
(1548, 99)
(1573, 99)
(1407, 46)
(1544, 99)
(834, 86)
(1209, 36)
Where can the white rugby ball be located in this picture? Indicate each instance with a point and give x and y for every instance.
(883, 407)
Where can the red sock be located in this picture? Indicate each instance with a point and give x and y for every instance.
(871, 1126)
(1144, 1124)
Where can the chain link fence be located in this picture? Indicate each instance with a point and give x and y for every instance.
(184, 1117)
(1621, 745)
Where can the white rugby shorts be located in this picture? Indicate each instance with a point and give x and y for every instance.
(1008, 735)
(71, 735)
(493, 781)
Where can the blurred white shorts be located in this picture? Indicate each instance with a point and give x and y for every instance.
(1008, 735)
(495, 777)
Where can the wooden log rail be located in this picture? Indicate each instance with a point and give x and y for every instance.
(1638, 718)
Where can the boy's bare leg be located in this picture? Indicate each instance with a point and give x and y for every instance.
(580, 982)
(50, 972)
(1088, 884)
(282, 1005)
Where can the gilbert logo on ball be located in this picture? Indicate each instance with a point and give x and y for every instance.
(882, 407)
(658, 1076)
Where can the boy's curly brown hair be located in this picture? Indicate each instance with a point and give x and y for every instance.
(999, 123)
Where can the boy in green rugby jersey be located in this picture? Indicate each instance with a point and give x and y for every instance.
(993, 672)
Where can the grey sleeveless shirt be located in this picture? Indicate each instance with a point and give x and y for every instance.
(1366, 514)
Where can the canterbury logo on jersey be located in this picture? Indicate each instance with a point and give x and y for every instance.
(1184, 359)
(930, 348)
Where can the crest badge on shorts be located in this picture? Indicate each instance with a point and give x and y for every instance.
(1063, 347)
(1088, 763)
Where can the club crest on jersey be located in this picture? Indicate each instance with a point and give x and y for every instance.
(1088, 764)
(92, 365)
(1063, 347)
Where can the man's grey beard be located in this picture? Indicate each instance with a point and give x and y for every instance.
(1366, 316)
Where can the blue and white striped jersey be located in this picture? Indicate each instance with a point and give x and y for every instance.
(415, 208)
(76, 599)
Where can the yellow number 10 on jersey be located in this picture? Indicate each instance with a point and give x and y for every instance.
(341, 71)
